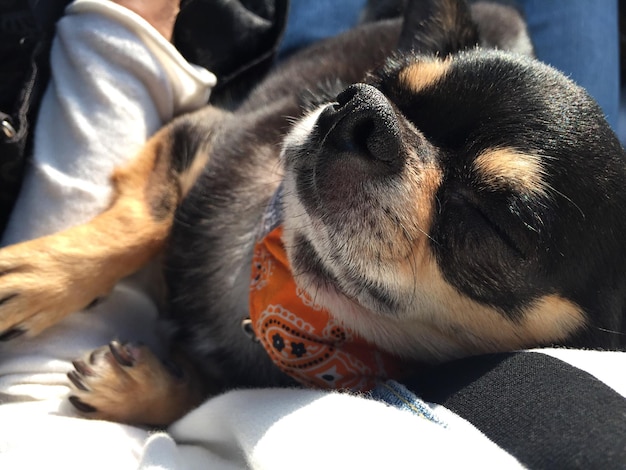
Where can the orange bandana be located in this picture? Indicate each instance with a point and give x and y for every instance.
(301, 337)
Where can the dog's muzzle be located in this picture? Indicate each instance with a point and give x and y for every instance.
(362, 122)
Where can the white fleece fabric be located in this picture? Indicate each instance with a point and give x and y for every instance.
(115, 82)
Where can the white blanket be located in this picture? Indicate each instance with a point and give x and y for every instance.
(115, 82)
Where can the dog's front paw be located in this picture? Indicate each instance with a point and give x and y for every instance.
(127, 383)
(41, 282)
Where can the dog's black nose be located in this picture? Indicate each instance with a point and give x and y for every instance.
(362, 122)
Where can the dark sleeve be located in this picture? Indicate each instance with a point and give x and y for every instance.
(236, 40)
(545, 412)
(26, 31)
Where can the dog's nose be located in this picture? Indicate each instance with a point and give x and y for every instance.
(362, 122)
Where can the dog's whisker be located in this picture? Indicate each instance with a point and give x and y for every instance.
(606, 330)
(582, 213)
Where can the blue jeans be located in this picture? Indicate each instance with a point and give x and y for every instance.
(312, 20)
(581, 39)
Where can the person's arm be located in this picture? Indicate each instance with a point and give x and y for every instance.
(115, 81)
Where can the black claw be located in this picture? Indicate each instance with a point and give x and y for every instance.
(81, 406)
(76, 380)
(82, 368)
(94, 303)
(12, 334)
(121, 354)
(93, 356)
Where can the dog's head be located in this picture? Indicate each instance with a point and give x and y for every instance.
(461, 202)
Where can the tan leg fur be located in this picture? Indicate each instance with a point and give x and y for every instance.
(44, 280)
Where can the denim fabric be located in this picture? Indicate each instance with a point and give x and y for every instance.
(398, 396)
(310, 21)
(581, 39)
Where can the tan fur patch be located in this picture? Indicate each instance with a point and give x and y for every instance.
(418, 221)
(480, 328)
(445, 324)
(424, 74)
(506, 168)
(189, 177)
(553, 318)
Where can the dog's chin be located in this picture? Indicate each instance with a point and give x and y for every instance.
(330, 287)
(375, 317)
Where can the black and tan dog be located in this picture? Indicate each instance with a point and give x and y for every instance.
(393, 197)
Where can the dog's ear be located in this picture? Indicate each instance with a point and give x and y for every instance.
(439, 27)
(502, 26)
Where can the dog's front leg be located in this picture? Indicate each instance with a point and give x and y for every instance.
(45, 279)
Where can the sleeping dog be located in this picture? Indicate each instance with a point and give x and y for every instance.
(401, 195)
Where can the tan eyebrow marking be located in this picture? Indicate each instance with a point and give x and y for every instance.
(508, 168)
(421, 75)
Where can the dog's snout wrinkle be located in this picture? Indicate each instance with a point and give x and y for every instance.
(362, 122)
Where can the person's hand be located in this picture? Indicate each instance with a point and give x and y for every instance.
(159, 13)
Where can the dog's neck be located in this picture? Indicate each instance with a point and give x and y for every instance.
(301, 337)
